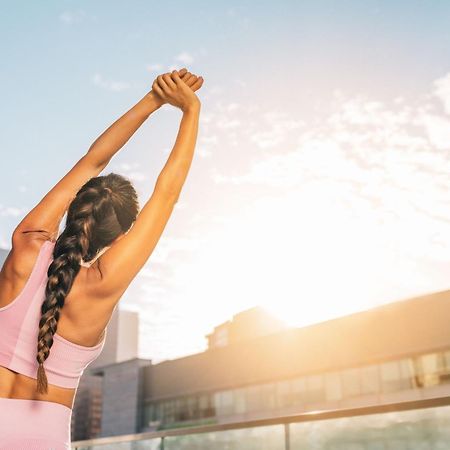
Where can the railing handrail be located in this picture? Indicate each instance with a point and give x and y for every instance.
(306, 416)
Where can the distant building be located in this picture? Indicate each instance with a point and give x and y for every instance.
(123, 396)
(247, 324)
(395, 352)
(87, 411)
(124, 386)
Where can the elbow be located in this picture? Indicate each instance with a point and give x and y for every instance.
(94, 160)
(169, 188)
(169, 191)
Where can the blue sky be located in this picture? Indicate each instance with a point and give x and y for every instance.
(320, 182)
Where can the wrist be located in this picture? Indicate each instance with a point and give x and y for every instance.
(193, 107)
(152, 101)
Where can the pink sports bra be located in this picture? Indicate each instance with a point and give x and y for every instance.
(19, 327)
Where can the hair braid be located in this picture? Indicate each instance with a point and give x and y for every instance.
(92, 207)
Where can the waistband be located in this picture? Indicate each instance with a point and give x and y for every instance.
(34, 419)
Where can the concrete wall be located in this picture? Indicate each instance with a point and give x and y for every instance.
(122, 397)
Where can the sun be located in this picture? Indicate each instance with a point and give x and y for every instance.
(304, 258)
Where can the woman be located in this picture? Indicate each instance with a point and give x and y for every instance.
(57, 294)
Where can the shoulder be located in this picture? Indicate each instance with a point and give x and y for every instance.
(28, 241)
(24, 251)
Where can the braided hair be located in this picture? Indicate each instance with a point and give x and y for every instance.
(104, 208)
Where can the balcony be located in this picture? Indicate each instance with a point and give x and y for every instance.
(420, 424)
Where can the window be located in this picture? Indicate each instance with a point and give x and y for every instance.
(370, 379)
(351, 384)
(407, 374)
(333, 389)
(390, 377)
(149, 413)
(447, 361)
(298, 386)
(192, 407)
(283, 394)
(181, 412)
(253, 400)
(314, 389)
(169, 411)
(431, 366)
(205, 406)
(268, 396)
(223, 403)
(239, 401)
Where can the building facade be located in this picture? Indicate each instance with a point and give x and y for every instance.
(395, 352)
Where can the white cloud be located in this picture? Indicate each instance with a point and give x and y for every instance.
(70, 17)
(276, 126)
(168, 246)
(203, 151)
(438, 130)
(232, 106)
(383, 160)
(184, 58)
(206, 118)
(130, 170)
(5, 244)
(154, 67)
(214, 90)
(208, 139)
(442, 91)
(11, 211)
(226, 123)
(111, 85)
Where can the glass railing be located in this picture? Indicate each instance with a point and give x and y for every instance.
(413, 425)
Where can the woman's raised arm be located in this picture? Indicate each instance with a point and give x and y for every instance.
(122, 262)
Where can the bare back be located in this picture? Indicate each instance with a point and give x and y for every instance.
(83, 318)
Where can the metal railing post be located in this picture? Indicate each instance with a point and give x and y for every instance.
(287, 437)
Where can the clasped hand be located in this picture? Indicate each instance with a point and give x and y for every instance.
(177, 88)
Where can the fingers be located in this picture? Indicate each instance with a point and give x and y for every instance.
(167, 78)
(166, 84)
(176, 78)
(162, 83)
(184, 77)
(184, 74)
(190, 79)
(158, 90)
(198, 84)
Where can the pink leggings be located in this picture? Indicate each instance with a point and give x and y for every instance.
(34, 425)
